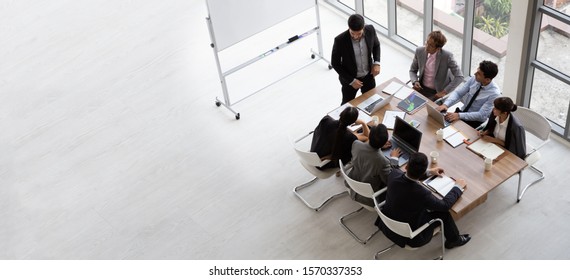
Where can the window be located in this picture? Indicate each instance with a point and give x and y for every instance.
(554, 44)
(377, 11)
(550, 97)
(449, 19)
(559, 5)
(550, 74)
(409, 21)
(348, 3)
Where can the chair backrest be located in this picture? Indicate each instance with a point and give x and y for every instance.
(402, 229)
(363, 189)
(310, 158)
(534, 123)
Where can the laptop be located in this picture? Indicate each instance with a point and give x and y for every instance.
(438, 116)
(407, 138)
(377, 102)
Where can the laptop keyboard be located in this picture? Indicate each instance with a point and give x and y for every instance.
(404, 157)
(371, 106)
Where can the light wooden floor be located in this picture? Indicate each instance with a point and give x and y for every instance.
(112, 147)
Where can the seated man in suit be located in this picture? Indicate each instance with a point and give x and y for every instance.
(477, 95)
(369, 165)
(408, 201)
(439, 73)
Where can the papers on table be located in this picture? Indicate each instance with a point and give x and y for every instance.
(394, 87)
(335, 114)
(390, 118)
(453, 136)
(486, 149)
(441, 184)
(403, 92)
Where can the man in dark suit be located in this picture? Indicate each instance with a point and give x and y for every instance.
(409, 202)
(434, 72)
(356, 57)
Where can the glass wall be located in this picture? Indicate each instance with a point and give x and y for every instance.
(348, 3)
(549, 90)
(409, 21)
(448, 17)
(550, 97)
(377, 11)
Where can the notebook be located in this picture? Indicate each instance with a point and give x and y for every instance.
(453, 136)
(407, 138)
(390, 118)
(412, 103)
(437, 115)
(486, 149)
(440, 184)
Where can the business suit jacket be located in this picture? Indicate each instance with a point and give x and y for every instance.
(407, 201)
(369, 165)
(342, 58)
(447, 73)
(515, 137)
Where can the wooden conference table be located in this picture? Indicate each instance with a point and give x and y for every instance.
(458, 162)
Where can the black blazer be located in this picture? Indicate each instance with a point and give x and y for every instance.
(515, 138)
(342, 58)
(408, 201)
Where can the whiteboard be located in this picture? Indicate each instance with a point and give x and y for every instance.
(236, 20)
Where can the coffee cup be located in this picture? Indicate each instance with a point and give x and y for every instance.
(434, 155)
(488, 164)
(439, 135)
(375, 120)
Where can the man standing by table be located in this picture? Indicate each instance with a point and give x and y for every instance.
(356, 57)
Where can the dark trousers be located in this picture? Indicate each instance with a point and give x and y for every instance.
(428, 92)
(450, 230)
(349, 93)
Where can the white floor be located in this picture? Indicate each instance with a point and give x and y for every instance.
(112, 147)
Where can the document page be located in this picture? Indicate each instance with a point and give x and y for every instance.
(393, 88)
(390, 118)
(441, 184)
(455, 139)
(335, 114)
(486, 149)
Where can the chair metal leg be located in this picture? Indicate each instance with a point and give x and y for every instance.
(316, 208)
(520, 193)
(442, 242)
(362, 241)
(377, 255)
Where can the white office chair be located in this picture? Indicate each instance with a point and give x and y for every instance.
(310, 161)
(363, 189)
(404, 229)
(538, 126)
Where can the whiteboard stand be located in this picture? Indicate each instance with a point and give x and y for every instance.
(227, 102)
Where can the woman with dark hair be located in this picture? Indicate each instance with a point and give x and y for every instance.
(504, 128)
(333, 140)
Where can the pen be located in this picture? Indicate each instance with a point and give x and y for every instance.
(466, 141)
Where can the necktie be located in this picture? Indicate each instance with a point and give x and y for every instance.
(472, 99)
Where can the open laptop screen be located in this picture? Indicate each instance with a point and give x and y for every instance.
(408, 134)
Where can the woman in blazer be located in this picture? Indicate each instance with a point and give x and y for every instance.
(504, 129)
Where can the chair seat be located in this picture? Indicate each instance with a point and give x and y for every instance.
(321, 174)
(532, 158)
